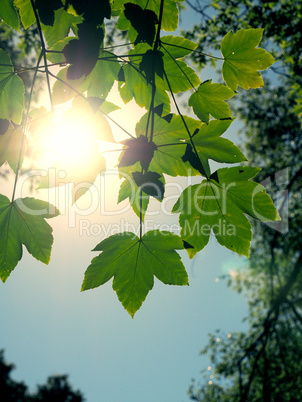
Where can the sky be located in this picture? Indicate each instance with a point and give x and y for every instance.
(50, 327)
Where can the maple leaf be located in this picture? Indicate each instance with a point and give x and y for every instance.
(139, 150)
(242, 60)
(209, 99)
(133, 263)
(220, 206)
(23, 222)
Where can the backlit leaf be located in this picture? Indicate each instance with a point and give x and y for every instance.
(104, 68)
(177, 46)
(59, 30)
(209, 99)
(11, 91)
(8, 13)
(26, 12)
(243, 60)
(210, 145)
(136, 86)
(61, 92)
(133, 263)
(139, 202)
(221, 207)
(23, 222)
(4, 125)
(170, 140)
(10, 146)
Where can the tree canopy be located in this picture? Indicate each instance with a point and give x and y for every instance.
(164, 144)
(263, 363)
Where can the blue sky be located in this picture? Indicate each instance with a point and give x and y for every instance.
(50, 327)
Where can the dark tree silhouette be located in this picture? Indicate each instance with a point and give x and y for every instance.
(57, 388)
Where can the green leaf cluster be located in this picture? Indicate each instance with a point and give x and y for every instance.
(73, 35)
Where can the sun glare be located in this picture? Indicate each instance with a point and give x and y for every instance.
(70, 140)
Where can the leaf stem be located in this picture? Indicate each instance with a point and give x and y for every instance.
(43, 52)
(25, 123)
(193, 51)
(184, 122)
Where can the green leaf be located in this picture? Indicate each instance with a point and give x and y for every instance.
(109, 70)
(210, 145)
(133, 263)
(136, 85)
(242, 60)
(209, 100)
(221, 207)
(180, 76)
(23, 222)
(62, 93)
(177, 46)
(168, 158)
(26, 12)
(9, 14)
(59, 30)
(10, 146)
(11, 91)
(129, 189)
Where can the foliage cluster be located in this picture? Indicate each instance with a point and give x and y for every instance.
(72, 35)
(263, 363)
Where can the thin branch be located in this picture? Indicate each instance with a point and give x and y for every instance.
(24, 125)
(183, 120)
(43, 51)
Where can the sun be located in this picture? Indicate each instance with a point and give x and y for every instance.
(76, 137)
(70, 140)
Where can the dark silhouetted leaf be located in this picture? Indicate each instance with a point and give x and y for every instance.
(4, 124)
(83, 53)
(143, 21)
(187, 245)
(92, 11)
(193, 159)
(159, 109)
(46, 10)
(139, 149)
(149, 182)
(152, 63)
